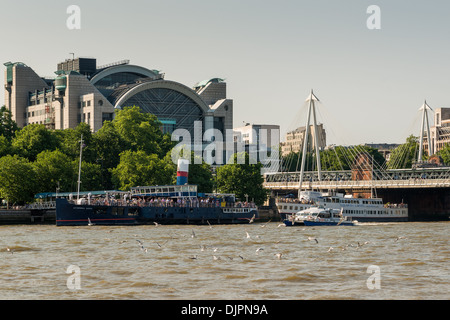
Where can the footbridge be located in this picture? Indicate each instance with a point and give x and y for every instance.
(349, 179)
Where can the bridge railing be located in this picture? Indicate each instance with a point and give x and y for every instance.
(362, 184)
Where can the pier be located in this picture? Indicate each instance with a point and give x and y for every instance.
(36, 213)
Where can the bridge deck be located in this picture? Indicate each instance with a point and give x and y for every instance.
(406, 178)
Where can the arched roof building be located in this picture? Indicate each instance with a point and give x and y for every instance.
(91, 94)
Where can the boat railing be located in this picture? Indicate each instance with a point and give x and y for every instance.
(164, 203)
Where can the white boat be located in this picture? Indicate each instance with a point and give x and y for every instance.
(361, 209)
(319, 216)
(330, 217)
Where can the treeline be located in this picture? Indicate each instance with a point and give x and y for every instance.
(130, 150)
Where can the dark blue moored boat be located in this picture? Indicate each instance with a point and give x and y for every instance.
(176, 204)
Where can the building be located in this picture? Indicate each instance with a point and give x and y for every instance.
(294, 140)
(262, 142)
(266, 135)
(440, 131)
(85, 92)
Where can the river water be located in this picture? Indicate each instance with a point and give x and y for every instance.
(372, 261)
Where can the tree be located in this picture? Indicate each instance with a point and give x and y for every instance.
(70, 142)
(90, 176)
(136, 168)
(53, 170)
(32, 140)
(405, 154)
(140, 131)
(108, 144)
(17, 178)
(5, 146)
(242, 179)
(445, 153)
(8, 126)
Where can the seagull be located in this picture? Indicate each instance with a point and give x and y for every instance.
(311, 239)
(90, 223)
(281, 225)
(156, 224)
(216, 258)
(258, 250)
(399, 238)
(193, 257)
(278, 255)
(330, 249)
(248, 236)
(265, 224)
(241, 257)
(215, 249)
(210, 226)
(10, 250)
(361, 244)
(252, 219)
(193, 234)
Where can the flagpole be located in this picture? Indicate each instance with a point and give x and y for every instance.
(79, 167)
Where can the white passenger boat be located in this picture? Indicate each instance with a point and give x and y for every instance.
(361, 209)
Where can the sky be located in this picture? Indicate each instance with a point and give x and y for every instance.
(371, 82)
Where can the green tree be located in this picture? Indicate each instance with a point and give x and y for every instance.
(108, 144)
(17, 178)
(140, 131)
(70, 142)
(8, 126)
(242, 179)
(32, 140)
(445, 153)
(405, 154)
(5, 146)
(90, 176)
(54, 170)
(136, 168)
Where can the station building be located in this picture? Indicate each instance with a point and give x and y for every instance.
(85, 92)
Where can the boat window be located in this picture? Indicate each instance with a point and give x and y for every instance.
(117, 211)
(133, 211)
(100, 211)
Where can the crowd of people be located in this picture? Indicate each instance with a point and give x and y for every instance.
(191, 202)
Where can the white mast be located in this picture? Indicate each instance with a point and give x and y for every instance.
(425, 107)
(311, 108)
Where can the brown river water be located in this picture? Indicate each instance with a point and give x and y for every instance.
(372, 261)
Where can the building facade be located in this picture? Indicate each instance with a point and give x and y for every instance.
(294, 140)
(85, 92)
(440, 131)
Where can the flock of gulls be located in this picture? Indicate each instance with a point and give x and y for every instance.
(251, 240)
(255, 240)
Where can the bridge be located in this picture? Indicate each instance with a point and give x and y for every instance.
(347, 179)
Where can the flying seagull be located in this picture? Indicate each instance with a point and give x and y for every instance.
(313, 239)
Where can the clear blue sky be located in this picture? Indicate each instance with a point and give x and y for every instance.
(271, 53)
